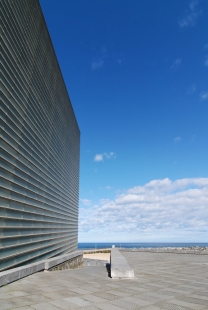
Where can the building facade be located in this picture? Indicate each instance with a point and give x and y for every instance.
(40, 143)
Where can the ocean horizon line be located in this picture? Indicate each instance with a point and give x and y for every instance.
(99, 245)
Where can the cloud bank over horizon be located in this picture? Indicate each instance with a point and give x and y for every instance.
(161, 210)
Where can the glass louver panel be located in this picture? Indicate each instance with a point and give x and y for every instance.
(40, 143)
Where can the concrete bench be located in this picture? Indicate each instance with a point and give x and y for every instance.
(56, 263)
(120, 268)
(14, 274)
(61, 261)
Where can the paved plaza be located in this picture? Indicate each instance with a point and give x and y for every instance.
(162, 281)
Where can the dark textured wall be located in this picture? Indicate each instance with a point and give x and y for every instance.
(39, 143)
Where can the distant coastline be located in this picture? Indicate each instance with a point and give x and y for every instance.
(102, 245)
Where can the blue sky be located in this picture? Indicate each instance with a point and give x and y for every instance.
(137, 76)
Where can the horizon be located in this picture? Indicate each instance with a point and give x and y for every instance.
(142, 242)
(137, 76)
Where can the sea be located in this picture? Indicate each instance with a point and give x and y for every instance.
(91, 246)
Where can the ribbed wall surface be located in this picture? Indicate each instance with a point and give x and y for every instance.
(39, 143)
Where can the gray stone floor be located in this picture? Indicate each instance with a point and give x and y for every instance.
(163, 281)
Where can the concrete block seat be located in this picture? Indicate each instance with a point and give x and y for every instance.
(120, 268)
(15, 274)
(66, 261)
(61, 262)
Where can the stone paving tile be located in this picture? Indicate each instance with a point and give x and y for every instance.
(195, 284)
(93, 298)
(67, 293)
(108, 306)
(186, 304)
(147, 297)
(192, 300)
(29, 300)
(53, 295)
(169, 284)
(105, 295)
(199, 293)
(5, 295)
(151, 308)
(126, 304)
(63, 304)
(113, 285)
(119, 294)
(37, 298)
(62, 283)
(67, 285)
(78, 301)
(162, 282)
(184, 290)
(31, 291)
(23, 308)
(7, 304)
(79, 290)
(18, 294)
(5, 289)
(22, 302)
(138, 301)
(168, 292)
(104, 288)
(179, 291)
(149, 287)
(155, 285)
(170, 306)
(52, 288)
(125, 290)
(44, 306)
(90, 289)
(138, 289)
(160, 296)
(22, 281)
(87, 308)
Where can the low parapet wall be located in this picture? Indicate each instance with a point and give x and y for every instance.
(120, 268)
(15, 274)
(66, 261)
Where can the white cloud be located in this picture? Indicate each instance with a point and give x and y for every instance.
(178, 61)
(86, 202)
(176, 64)
(97, 64)
(120, 59)
(191, 16)
(109, 155)
(108, 187)
(100, 157)
(159, 208)
(104, 201)
(177, 139)
(204, 95)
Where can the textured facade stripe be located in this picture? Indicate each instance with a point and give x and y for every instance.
(25, 150)
(34, 176)
(8, 176)
(38, 254)
(15, 133)
(40, 143)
